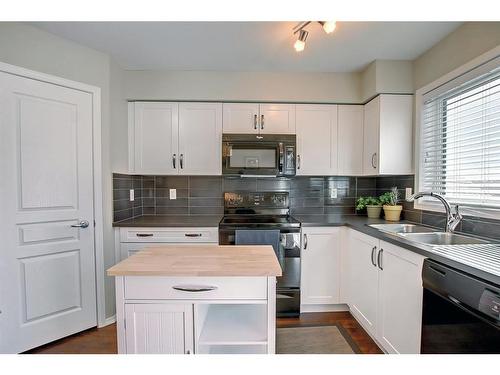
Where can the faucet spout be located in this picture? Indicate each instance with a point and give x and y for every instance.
(452, 219)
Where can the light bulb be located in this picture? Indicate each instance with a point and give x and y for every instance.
(329, 26)
(299, 45)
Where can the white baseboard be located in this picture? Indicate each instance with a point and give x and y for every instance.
(108, 321)
(323, 308)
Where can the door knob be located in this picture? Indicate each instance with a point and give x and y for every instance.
(81, 224)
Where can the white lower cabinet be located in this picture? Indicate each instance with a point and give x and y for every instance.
(400, 300)
(129, 240)
(159, 328)
(385, 292)
(320, 266)
(363, 279)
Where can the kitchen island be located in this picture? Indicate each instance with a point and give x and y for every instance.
(184, 299)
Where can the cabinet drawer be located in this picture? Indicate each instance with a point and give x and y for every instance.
(176, 235)
(149, 287)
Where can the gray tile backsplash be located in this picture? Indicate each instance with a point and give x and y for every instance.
(203, 195)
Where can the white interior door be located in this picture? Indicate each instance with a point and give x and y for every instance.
(200, 138)
(47, 267)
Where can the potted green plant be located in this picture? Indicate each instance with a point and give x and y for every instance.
(372, 205)
(389, 201)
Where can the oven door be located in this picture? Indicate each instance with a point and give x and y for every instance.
(252, 158)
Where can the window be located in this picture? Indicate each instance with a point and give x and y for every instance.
(460, 139)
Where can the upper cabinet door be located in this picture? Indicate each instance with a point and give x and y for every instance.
(241, 118)
(155, 137)
(316, 139)
(396, 134)
(371, 137)
(350, 144)
(200, 138)
(277, 119)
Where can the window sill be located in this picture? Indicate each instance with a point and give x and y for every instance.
(480, 212)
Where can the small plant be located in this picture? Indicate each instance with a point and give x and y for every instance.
(390, 198)
(362, 202)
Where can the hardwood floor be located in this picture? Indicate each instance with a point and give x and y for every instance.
(103, 340)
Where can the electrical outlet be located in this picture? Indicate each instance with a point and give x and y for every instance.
(131, 195)
(408, 193)
(173, 193)
(333, 193)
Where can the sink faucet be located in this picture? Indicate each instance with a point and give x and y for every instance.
(452, 218)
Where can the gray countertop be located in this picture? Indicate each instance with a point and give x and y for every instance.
(359, 223)
(171, 221)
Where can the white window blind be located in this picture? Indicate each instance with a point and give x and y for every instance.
(460, 141)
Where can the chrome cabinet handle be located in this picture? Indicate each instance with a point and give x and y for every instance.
(192, 234)
(181, 161)
(379, 259)
(373, 253)
(305, 241)
(373, 160)
(298, 161)
(81, 224)
(188, 352)
(262, 122)
(144, 234)
(194, 288)
(255, 122)
(173, 160)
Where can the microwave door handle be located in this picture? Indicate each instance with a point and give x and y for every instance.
(281, 158)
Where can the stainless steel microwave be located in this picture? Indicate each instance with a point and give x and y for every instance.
(258, 154)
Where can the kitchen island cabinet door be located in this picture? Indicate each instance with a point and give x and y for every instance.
(320, 268)
(159, 328)
(400, 300)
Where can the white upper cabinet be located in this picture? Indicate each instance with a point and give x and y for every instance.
(350, 140)
(316, 139)
(320, 266)
(248, 118)
(200, 138)
(277, 119)
(153, 137)
(388, 135)
(175, 138)
(241, 118)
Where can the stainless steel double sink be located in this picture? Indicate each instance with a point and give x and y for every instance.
(425, 235)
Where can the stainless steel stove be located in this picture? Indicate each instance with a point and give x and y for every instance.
(268, 211)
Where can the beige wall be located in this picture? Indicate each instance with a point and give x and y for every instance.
(243, 86)
(464, 44)
(29, 47)
(386, 77)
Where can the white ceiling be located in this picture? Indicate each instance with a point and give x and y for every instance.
(252, 46)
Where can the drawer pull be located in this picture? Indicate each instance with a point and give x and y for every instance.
(144, 234)
(194, 288)
(192, 234)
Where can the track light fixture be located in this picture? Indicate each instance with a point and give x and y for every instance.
(300, 43)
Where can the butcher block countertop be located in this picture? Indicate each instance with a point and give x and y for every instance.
(200, 260)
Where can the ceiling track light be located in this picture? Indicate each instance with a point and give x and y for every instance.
(300, 43)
